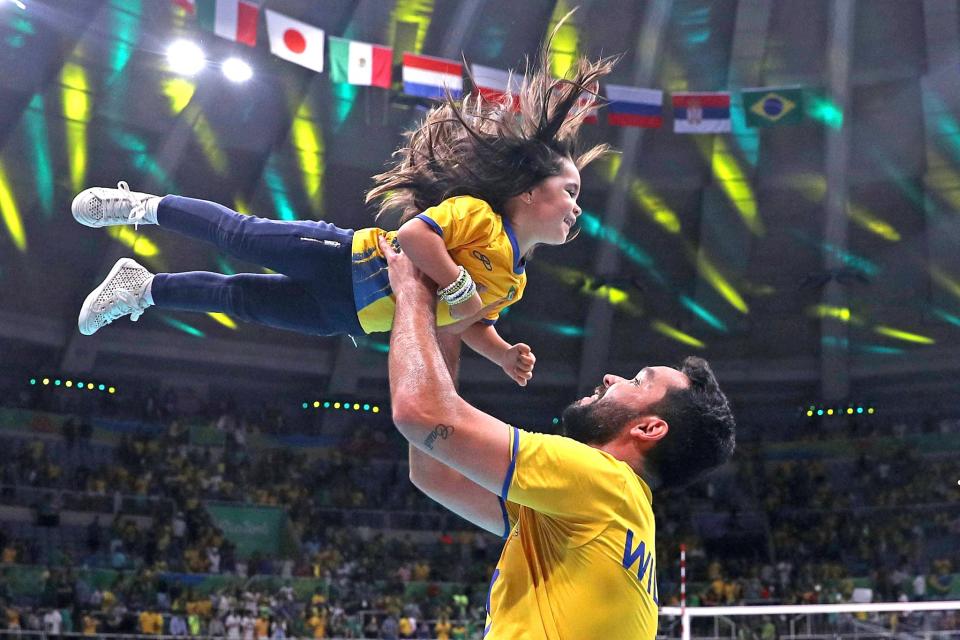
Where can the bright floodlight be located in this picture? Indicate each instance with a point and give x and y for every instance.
(237, 70)
(185, 57)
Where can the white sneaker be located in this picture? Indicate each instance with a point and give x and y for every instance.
(102, 207)
(123, 292)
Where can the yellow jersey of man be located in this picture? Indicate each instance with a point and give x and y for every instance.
(478, 239)
(579, 560)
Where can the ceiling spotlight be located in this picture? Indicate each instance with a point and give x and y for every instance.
(19, 5)
(237, 70)
(185, 57)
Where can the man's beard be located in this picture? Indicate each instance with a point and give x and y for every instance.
(595, 423)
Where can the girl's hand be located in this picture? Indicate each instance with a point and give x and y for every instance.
(467, 309)
(517, 362)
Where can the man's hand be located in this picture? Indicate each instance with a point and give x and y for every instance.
(517, 362)
(403, 274)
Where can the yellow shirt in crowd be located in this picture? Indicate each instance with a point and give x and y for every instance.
(442, 630)
(579, 560)
(478, 239)
(89, 625)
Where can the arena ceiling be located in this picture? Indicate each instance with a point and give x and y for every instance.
(810, 257)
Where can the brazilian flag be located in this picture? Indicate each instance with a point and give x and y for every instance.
(769, 106)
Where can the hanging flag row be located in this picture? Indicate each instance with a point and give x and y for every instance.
(361, 63)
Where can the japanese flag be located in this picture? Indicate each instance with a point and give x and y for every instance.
(295, 41)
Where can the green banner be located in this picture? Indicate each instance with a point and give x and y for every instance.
(254, 529)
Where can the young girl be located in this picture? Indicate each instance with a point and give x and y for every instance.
(477, 186)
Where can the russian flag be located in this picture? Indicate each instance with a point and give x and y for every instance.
(426, 76)
(493, 84)
(701, 112)
(634, 107)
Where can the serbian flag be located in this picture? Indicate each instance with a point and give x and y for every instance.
(295, 41)
(353, 62)
(231, 19)
(493, 84)
(426, 76)
(634, 107)
(701, 112)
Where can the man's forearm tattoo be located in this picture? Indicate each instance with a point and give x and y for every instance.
(442, 431)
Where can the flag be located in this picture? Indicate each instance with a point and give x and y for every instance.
(766, 106)
(190, 6)
(493, 84)
(587, 101)
(231, 19)
(426, 76)
(634, 107)
(295, 41)
(353, 62)
(701, 112)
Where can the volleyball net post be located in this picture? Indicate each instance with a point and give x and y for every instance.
(945, 613)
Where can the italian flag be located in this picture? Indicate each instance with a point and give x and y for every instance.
(231, 19)
(360, 63)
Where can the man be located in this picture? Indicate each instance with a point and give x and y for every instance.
(576, 510)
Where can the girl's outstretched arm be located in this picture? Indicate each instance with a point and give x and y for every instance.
(429, 254)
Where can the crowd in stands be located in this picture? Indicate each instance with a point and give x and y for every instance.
(772, 530)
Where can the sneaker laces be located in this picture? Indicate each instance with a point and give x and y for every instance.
(138, 207)
(130, 303)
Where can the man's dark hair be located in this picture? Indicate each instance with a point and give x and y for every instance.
(702, 431)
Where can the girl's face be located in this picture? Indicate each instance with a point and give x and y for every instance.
(551, 206)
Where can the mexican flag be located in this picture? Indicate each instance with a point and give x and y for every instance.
(353, 62)
(231, 19)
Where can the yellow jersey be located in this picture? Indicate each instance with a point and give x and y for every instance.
(478, 239)
(579, 560)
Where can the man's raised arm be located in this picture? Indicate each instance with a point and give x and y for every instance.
(448, 486)
(427, 409)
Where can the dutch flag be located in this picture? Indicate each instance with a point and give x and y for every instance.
(427, 77)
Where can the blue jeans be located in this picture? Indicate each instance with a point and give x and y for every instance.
(314, 294)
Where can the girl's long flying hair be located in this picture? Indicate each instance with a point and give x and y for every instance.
(494, 150)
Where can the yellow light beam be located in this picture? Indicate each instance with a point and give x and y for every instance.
(843, 314)
(76, 110)
(720, 284)
(241, 206)
(223, 319)
(945, 281)
(587, 286)
(872, 223)
(141, 246)
(179, 91)
(417, 12)
(906, 336)
(11, 212)
(676, 334)
(309, 144)
(657, 209)
(209, 145)
(563, 48)
(942, 178)
(813, 187)
(731, 178)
